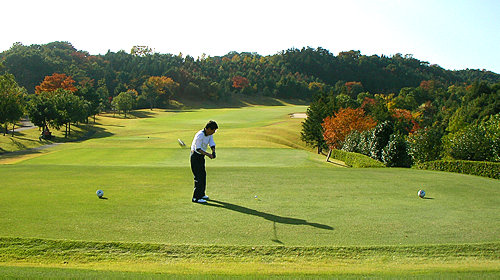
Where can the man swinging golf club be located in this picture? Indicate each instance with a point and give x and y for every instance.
(201, 140)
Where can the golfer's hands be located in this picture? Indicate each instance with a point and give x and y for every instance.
(211, 156)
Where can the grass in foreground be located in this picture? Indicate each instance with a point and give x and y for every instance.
(386, 261)
(19, 272)
(152, 204)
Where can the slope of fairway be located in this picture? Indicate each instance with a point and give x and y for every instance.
(267, 189)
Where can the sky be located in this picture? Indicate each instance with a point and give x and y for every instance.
(454, 34)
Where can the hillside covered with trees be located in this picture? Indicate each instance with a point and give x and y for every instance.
(292, 73)
(414, 111)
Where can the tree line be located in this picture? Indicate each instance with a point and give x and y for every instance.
(429, 122)
(287, 74)
(142, 78)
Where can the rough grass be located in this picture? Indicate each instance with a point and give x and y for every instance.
(251, 260)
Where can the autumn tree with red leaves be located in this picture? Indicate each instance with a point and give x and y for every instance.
(354, 88)
(240, 82)
(406, 122)
(338, 127)
(55, 82)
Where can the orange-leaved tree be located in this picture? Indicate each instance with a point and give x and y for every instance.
(406, 122)
(55, 82)
(336, 128)
(240, 82)
(159, 88)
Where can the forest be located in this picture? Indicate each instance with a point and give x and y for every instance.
(407, 100)
(293, 73)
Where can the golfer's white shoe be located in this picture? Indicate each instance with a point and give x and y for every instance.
(201, 200)
(205, 197)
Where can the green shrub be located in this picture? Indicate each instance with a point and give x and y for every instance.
(365, 141)
(380, 137)
(358, 142)
(351, 142)
(395, 154)
(479, 168)
(492, 126)
(425, 145)
(471, 143)
(355, 159)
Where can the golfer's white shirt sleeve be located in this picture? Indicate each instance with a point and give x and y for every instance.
(211, 141)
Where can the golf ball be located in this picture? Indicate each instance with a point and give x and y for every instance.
(421, 193)
(99, 193)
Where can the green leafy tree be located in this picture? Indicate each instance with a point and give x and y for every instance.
(425, 145)
(124, 101)
(70, 109)
(312, 131)
(88, 93)
(395, 154)
(492, 126)
(470, 143)
(42, 110)
(141, 51)
(481, 100)
(104, 97)
(379, 139)
(11, 101)
(28, 64)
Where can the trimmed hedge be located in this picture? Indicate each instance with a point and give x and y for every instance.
(355, 159)
(479, 168)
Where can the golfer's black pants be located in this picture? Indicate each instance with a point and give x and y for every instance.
(200, 175)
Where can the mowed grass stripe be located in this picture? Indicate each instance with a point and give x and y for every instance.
(225, 261)
(86, 251)
(179, 157)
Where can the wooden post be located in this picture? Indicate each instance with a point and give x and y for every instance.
(329, 154)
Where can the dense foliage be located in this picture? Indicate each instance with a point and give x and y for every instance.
(425, 123)
(294, 73)
(422, 110)
(11, 101)
(436, 119)
(339, 126)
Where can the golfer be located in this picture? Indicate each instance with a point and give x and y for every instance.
(202, 139)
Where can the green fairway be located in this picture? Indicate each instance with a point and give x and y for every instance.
(268, 191)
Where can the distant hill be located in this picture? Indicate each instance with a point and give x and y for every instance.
(293, 73)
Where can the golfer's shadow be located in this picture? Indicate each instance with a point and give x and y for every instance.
(267, 216)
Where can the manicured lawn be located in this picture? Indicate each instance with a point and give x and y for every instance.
(268, 191)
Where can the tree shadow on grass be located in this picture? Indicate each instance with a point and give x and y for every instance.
(142, 114)
(95, 132)
(267, 216)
